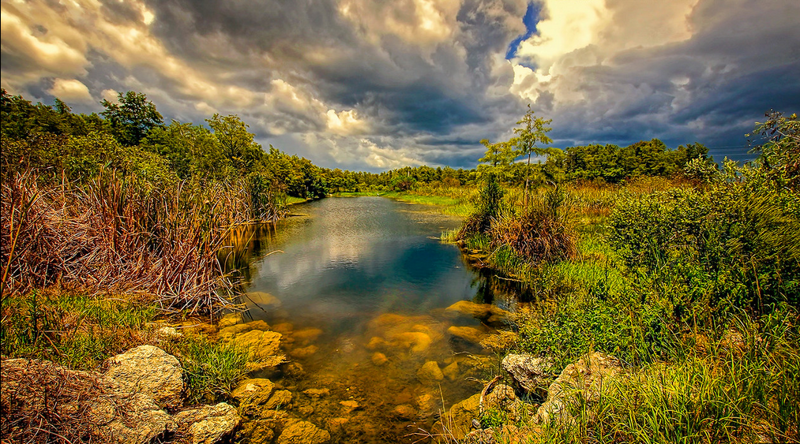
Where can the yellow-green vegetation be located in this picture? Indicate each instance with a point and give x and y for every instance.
(211, 369)
(80, 331)
(694, 285)
(70, 328)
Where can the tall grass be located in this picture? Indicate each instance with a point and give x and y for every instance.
(117, 233)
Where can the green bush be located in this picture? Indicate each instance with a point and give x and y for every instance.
(708, 250)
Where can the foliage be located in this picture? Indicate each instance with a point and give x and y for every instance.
(487, 207)
(72, 329)
(708, 250)
(131, 118)
(612, 163)
(532, 132)
(540, 233)
(780, 152)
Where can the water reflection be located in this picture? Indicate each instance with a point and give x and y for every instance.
(359, 290)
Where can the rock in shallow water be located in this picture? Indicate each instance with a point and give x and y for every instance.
(303, 432)
(469, 334)
(209, 424)
(429, 373)
(379, 359)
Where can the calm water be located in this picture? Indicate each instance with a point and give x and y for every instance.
(359, 287)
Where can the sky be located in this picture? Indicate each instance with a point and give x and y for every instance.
(376, 85)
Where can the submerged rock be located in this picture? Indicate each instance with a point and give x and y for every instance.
(261, 344)
(429, 373)
(451, 371)
(150, 371)
(207, 425)
(303, 432)
(304, 352)
(416, 341)
(306, 335)
(317, 393)
(469, 334)
(458, 420)
(263, 298)
(234, 330)
(349, 406)
(379, 359)
(405, 411)
(280, 399)
(529, 372)
(230, 319)
(492, 314)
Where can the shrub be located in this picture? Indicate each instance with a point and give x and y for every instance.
(541, 233)
(705, 250)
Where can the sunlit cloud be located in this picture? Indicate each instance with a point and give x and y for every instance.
(376, 85)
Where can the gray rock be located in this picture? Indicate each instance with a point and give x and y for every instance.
(585, 379)
(529, 372)
(150, 371)
(208, 424)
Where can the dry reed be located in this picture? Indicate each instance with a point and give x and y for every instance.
(119, 234)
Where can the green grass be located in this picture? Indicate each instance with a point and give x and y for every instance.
(211, 369)
(72, 329)
(291, 200)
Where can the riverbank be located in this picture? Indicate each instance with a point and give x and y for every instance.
(692, 368)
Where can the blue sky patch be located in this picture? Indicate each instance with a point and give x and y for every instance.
(530, 20)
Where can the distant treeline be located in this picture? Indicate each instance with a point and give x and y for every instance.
(130, 135)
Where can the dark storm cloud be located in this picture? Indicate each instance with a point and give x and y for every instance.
(380, 84)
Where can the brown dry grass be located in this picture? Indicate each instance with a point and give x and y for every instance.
(538, 235)
(44, 403)
(117, 234)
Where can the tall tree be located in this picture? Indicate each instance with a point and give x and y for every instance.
(132, 118)
(533, 131)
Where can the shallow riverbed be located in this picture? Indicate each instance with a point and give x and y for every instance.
(360, 287)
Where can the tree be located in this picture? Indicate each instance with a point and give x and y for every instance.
(237, 142)
(132, 118)
(780, 151)
(498, 159)
(532, 132)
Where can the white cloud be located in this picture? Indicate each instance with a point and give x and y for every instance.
(345, 123)
(71, 91)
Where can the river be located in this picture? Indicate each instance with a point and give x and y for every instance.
(360, 289)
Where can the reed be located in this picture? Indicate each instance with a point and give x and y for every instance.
(120, 234)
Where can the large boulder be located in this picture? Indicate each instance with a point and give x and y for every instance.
(127, 418)
(303, 432)
(150, 371)
(582, 379)
(529, 372)
(208, 424)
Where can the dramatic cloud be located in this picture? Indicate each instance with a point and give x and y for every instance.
(380, 84)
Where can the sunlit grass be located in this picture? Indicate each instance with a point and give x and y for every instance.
(73, 329)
